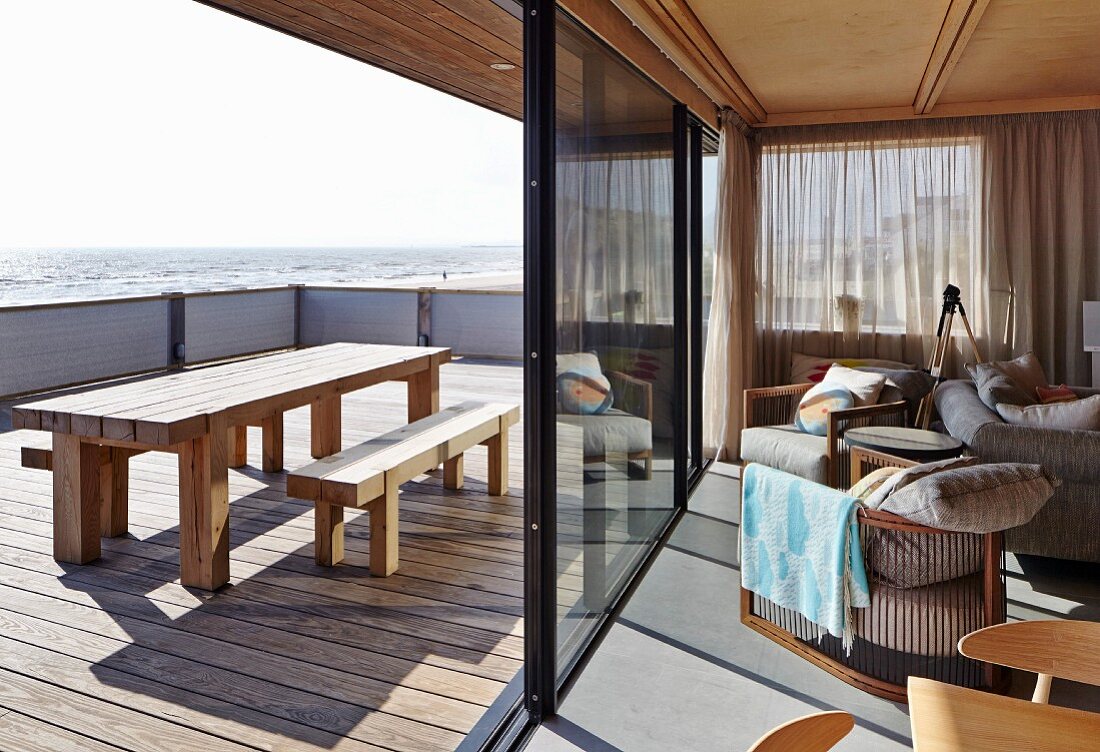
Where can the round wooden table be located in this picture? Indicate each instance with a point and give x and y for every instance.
(909, 443)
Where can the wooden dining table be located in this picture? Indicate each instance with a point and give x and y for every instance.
(202, 415)
(946, 718)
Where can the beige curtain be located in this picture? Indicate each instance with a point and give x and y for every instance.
(1042, 217)
(729, 355)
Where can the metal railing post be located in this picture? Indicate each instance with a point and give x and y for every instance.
(424, 316)
(177, 335)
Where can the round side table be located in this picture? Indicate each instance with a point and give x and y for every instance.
(909, 443)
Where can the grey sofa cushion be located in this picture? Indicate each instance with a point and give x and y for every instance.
(907, 560)
(976, 499)
(1008, 382)
(612, 432)
(788, 449)
(900, 480)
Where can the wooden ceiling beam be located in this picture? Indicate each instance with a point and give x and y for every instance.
(661, 20)
(951, 109)
(958, 27)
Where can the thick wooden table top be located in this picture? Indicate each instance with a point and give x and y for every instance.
(176, 407)
(946, 718)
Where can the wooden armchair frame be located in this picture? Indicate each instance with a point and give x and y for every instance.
(776, 405)
(879, 670)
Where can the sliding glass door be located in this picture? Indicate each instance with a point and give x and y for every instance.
(614, 326)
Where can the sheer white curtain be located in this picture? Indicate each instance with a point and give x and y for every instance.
(861, 229)
(729, 360)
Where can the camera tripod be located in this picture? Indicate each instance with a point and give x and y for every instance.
(952, 304)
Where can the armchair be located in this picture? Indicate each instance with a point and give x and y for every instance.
(906, 631)
(770, 437)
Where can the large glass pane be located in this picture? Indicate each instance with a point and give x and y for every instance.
(615, 367)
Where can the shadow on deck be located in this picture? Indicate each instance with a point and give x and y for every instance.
(289, 655)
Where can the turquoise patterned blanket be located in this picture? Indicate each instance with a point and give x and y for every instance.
(800, 548)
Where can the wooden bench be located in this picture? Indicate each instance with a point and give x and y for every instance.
(370, 474)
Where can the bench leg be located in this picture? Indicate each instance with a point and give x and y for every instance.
(204, 508)
(324, 427)
(114, 482)
(238, 446)
(454, 472)
(272, 429)
(498, 462)
(328, 539)
(383, 533)
(76, 499)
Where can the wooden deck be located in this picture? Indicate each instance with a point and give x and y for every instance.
(289, 656)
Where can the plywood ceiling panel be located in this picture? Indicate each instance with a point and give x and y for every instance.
(798, 56)
(1025, 49)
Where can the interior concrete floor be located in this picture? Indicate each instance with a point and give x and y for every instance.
(678, 671)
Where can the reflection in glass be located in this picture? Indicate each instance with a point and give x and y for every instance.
(616, 385)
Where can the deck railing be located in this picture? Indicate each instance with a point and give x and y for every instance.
(62, 344)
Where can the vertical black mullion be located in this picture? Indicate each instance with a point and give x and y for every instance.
(680, 323)
(540, 444)
(696, 298)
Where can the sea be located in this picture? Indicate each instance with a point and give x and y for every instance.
(67, 274)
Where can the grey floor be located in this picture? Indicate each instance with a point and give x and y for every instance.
(678, 671)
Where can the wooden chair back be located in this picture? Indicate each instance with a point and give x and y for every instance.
(1064, 649)
(813, 733)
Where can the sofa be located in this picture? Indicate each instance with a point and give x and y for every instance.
(1068, 527)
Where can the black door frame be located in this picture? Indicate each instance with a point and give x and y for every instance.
(541, 685)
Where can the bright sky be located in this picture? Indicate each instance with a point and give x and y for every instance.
(169, 123)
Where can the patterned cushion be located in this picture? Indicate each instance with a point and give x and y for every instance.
(816, 404)
(582, 387)
(869, 483)
(865, 387)
(1050, 394)
(812, 368)
(1080, 415)
(977, 499)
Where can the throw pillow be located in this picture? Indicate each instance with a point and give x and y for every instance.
(865, 387)
(1051, 394)
(817, 403)
(909, 475)
(1010, 382)
(977, 499)
(996, 388)
(1081, 415)
(812, 368)
(910, 560)
(582, 387)
(906, 384)
(870, 482)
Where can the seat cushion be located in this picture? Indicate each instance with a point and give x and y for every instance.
(788, 449)
(612, 432)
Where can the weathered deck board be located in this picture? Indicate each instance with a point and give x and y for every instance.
(116, 654)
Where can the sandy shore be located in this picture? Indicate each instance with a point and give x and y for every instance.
(508, 281)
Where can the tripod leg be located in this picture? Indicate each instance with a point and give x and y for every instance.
(935, 368)
(970, 334)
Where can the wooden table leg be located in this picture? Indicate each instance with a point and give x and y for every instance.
(204, 508)
(324, 426)
(114, 483)
(76, 499)
(272, 428)
(424, 393)
(238, 446)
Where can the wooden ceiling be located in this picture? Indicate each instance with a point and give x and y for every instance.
(450, 45)
(780, 62)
